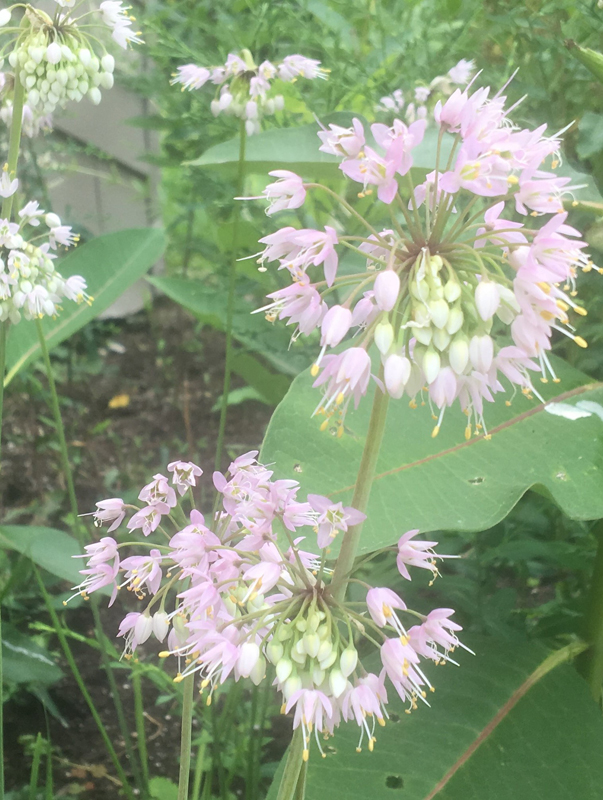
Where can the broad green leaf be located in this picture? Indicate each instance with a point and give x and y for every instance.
(110, 264)
(49, 548)
(238, 396)
(498, 728)
(296, 149)
(447, 483)
(24, 661)
(280, 148)
(270, 385)
(250, 330)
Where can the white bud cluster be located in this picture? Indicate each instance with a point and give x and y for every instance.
(308, 653)
(54, 71)
(30, 286)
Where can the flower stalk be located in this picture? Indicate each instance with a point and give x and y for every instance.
(590, 663)
(232, 282)
(14, 142)
(186, 737)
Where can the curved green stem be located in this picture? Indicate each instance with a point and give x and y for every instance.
(292, 780)
(56, 411)
(590, 663)
(362, 490)
(186, 737)
(15, 141)
(232, 282)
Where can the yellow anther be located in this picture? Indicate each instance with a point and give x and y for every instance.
(179, 678)
(306, 755)
(435, 431)
(314, 371)
(381, 721)
(512, 180)
(579, 310)
(208, 701)
(339, 399)
(164, 654)
(581, 342)
(468, 432)
(340, 431)
(325, 424)
(507, 402)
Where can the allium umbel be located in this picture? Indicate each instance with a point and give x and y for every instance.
(237, 596)
(244, 89)
(452, 273)
(30, 286)
(57, 58)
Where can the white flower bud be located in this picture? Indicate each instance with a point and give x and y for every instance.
(4, 17)
(396, 372)
(53, 53)
(108, 63)
(36, 54)
(487, 298)
(67, 53)
(439, 310)
(384, 337)
(225, 100)
(258, 673)
(441, 339)
(337, 682)
(248, 656)
(251, 110)
(269, 107)
(348, 660)
(275, 651)
(279, 102)
(143, 628)
(452, 290)
(458, 354)
(215, 107)
(13, 59)
(52, 220)
(249, 127)
(284, 668)
(311, 644)
(481, 352)
(85, 56)
(106, 80)
(324, 651)
(387, 289)
(292, 685)
(422, 335)
(318, 676)
(431, 365)
(95, 95)
(329, 660)
(455, 320)
(161, 625)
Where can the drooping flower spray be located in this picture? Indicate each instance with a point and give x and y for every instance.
(239, 594)
(448, 277)
(243, 90)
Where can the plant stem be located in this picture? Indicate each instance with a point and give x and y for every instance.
(293, 767)
(199, 763)
(362, 490)
(3, 327)
(56, 410)
(3, 337)
(186, 736)
(140, 730)
(82, 687)
(14, 142)
(232, 282)
(119, 709)
(590, 663)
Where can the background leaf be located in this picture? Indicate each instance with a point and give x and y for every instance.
(250, 330)
(24, 661)
(110, 264)
(446, 482)
(548, 747)
(47, 547)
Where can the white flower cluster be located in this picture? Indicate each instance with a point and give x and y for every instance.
(245, 87)
(33, 121)
(440, 88)
(30, 286)
(55, 59)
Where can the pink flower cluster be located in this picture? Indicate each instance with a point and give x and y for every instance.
(461, 265)
(244, 87)
(236, 596)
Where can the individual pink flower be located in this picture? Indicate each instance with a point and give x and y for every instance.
(346, 142)
(191, 76)
(112, 510)
(142, 570)
(185, 475)
(416, 554)
(158, 492)
(371, 169)
(300, 303)
(399, 141)
(381, 604)
(288, 192)
(332, 518)
(148, 519)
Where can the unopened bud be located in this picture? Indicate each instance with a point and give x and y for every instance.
(396, 372)
(439, 310)
(161, 625)
(452, 290)
(348, 660)
(481, 352)
(284, 668)
(337, 682)
(458, 354)
(387, 289)
(487, 298)
(431, 365)
(384, 337)
(455, 320)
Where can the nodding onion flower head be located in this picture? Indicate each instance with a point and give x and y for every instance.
(231, 599)
(422, 98)
(57, 60)
(464, 289)
(30, 286)
(34, 120)
(244, 89)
